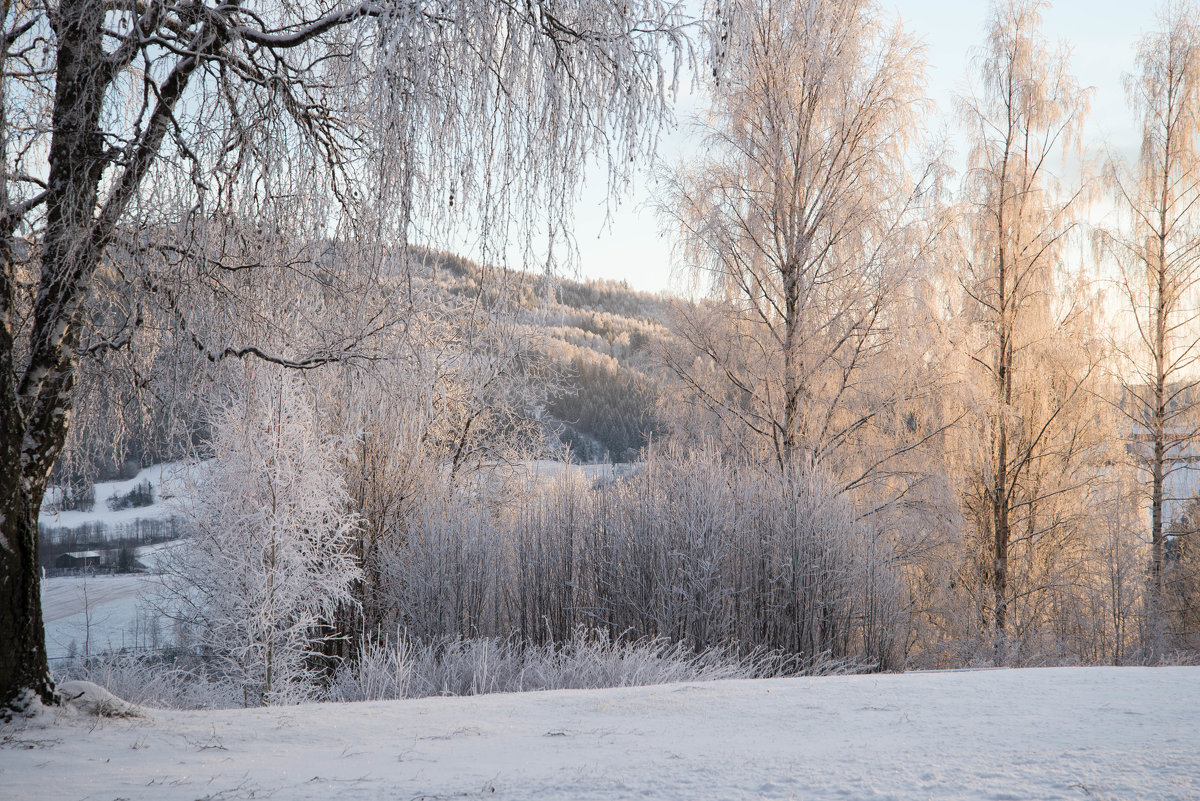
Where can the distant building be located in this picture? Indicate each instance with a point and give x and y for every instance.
(1182, 453)
(79, 560)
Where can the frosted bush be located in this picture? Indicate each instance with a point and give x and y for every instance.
(688, 549)
(589, 660)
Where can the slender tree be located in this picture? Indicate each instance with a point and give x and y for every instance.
(272, 561)
(1026, 109)
(1157, 254)
(800, 217)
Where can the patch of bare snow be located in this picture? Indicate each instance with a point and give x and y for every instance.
(1057, 733)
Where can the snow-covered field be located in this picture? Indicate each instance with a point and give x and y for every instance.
(106, 612)
(1056, 733)
(91, 614)
(96, 613)
(168, 480)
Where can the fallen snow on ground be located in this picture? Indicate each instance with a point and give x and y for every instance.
(149, 555)
(1061, 733)
(71, 595)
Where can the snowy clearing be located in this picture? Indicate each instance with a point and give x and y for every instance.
(1055, 733)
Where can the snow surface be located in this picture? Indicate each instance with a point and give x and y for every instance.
(169, 481)
(95, 701)
(1055, 733)
(67, 596)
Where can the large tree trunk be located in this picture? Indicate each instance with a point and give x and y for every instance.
(37, 396)
(23, 664)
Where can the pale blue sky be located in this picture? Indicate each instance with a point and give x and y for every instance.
(1102, 35)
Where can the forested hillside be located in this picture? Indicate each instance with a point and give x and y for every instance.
(600, 338)
(581, 378)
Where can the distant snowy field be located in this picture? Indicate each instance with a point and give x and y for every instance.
(1055, 733)
(108, 612)
(94, 614)
(170, 482)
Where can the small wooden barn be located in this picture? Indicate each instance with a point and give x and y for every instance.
(79, 560)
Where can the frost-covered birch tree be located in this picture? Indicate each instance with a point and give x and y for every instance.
(1157, 254)
(271, 562)
(800, 216)
(116, 113)
(1024, 115)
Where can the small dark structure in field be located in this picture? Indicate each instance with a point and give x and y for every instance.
(79, 560)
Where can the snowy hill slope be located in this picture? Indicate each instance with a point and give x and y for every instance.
(1057, 733)
(167, 481)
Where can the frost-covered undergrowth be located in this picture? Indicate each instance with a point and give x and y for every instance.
(494, 665)
(1054, 733)
(448, 667)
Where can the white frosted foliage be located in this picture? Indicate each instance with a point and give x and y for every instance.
(271, 561)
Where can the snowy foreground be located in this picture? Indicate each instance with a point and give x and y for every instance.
(1069, 733)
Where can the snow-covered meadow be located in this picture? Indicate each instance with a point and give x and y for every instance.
(1121, 734)
(92, 614)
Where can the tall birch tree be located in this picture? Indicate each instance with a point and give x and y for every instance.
(1157, 255)
(800, 218)
(1024, 115)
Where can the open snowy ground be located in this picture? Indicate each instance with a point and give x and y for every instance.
(90, 614)
(1060, 733)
